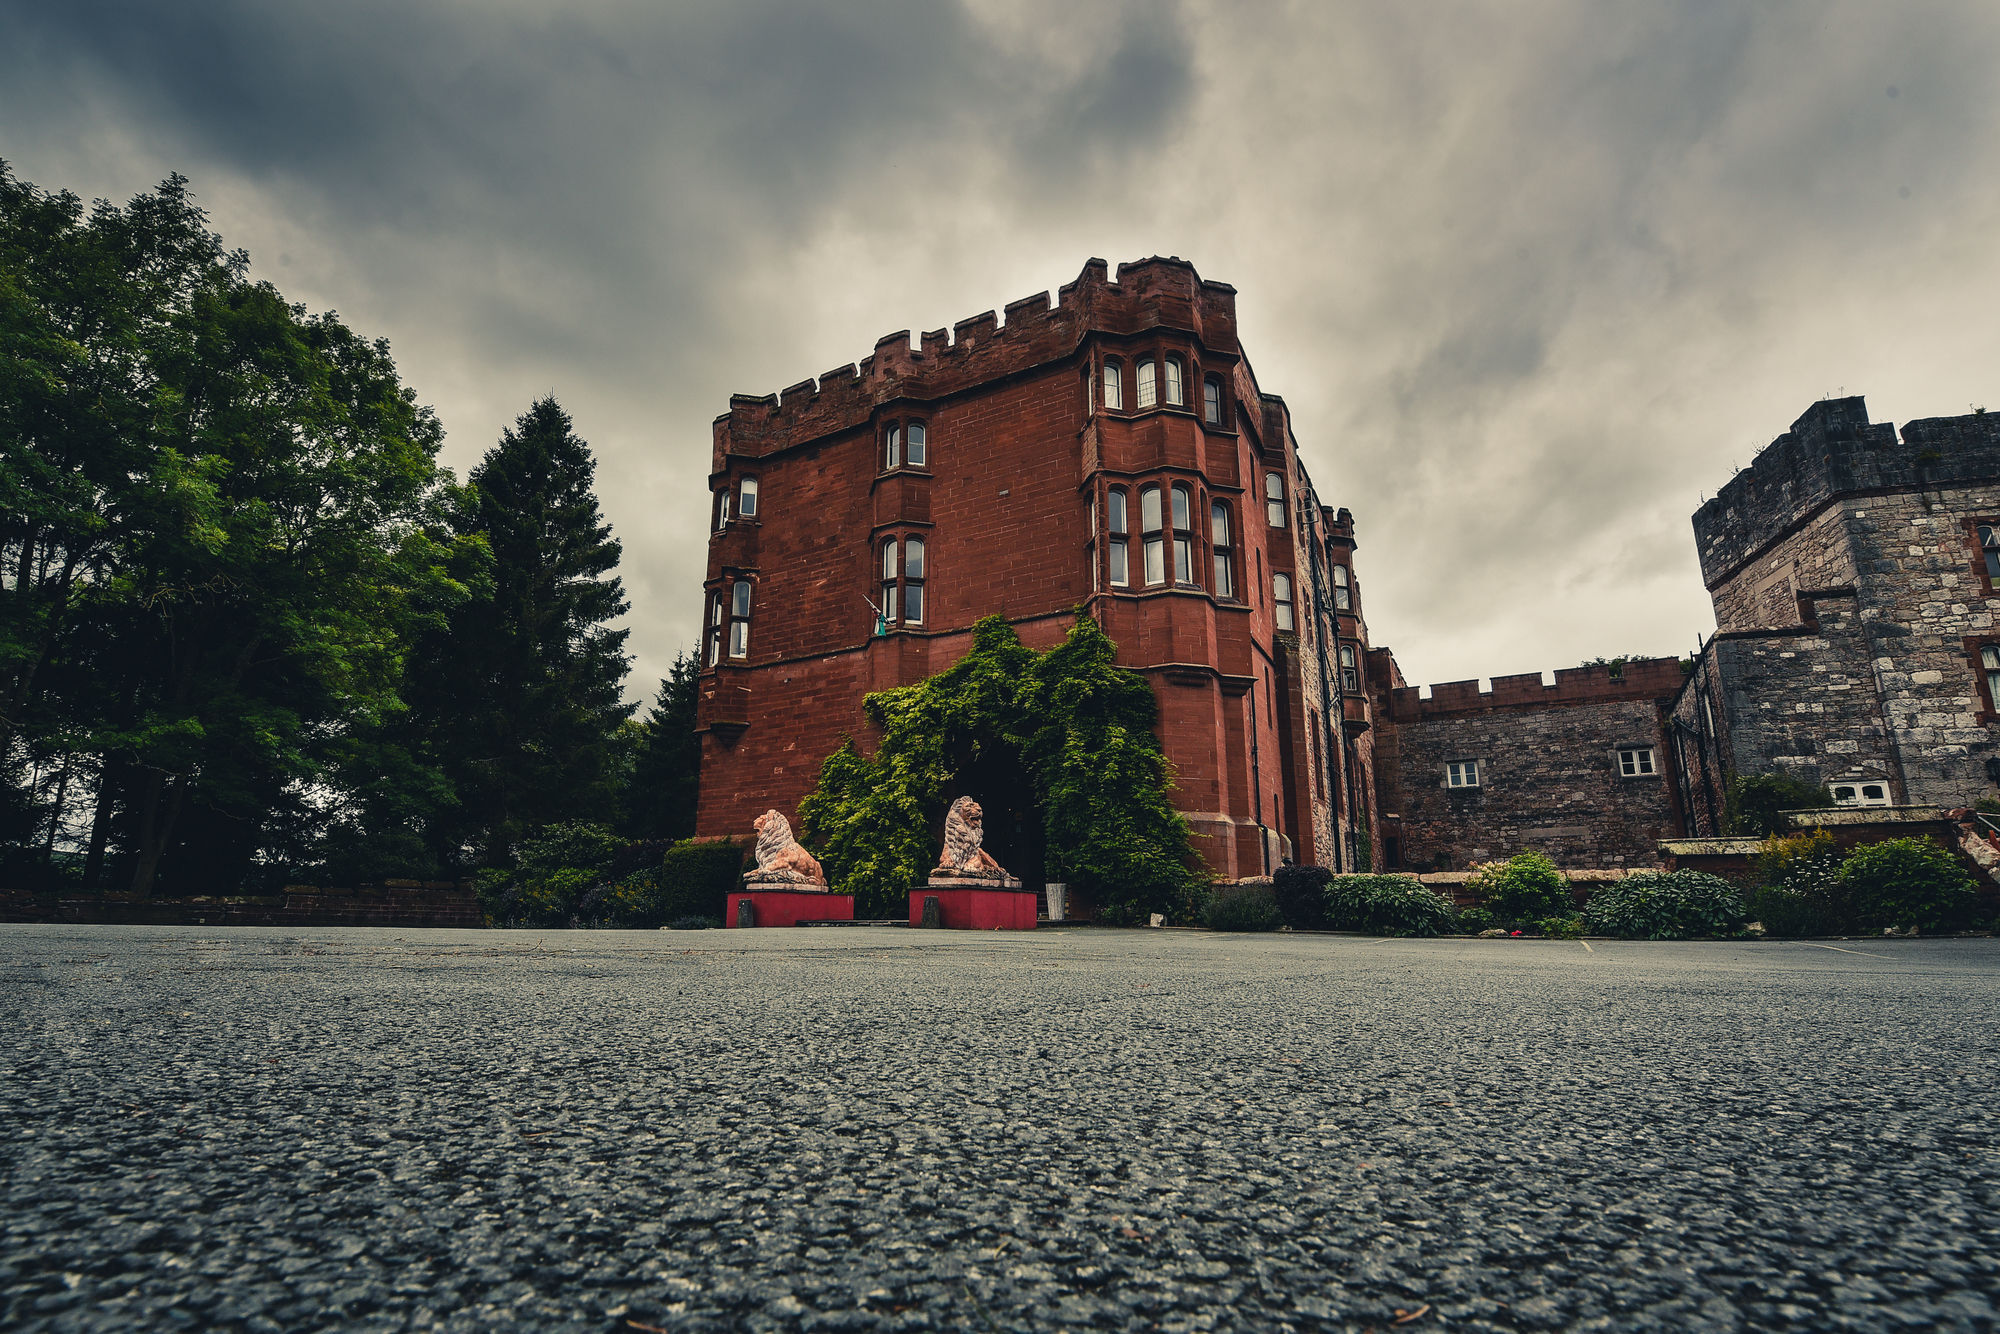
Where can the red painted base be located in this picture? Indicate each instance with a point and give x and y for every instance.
(789, 908)
(979, 909)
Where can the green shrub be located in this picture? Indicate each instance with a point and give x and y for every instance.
(1801, 893)
(1301, 894)
(1783, 911)
(1561, 928)
(1471, 921)
(1665, 905)
(1243, 908)
(696, 879)
(1386, 905)
(1755, 805)
(553, 871)
(693, 924)
(1908, 883)
(1526, 887)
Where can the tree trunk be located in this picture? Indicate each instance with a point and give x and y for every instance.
(158, 813)
(100, 829)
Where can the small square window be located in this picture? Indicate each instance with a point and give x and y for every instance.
(1861, 793)
(1636, 762)
(1461, 773)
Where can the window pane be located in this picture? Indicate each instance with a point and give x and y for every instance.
(1121, 574)
(1115, 509)
(1143, 383)
(913, 558)
(1183, 504)
(1284, 616)
(1096, 574)
(1156, 561)
(1225, 582)
(742, 607)
(916, 444)
(1218, 524)
(1211, 400)
(913, 604)
(1183, 560)
(714, 646)
(1342, 599)
(1149, 509)
(1628, 763)
(892, 449)
(1274, 486)
(1173, 369)
(1281, 587)
(1989, 537)
(1340, 576)
(716, 608)
(1993, 687)
(739, 639)
(889, 559)
(889, 602)
(748, 492)
(1093, 516)
(722, 508)
(1112, 397)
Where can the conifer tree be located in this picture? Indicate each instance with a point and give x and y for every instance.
(529, 684)
(665, 780)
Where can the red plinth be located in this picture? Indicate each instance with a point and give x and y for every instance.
(781, 907)
(979, 909)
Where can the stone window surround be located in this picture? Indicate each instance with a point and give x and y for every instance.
(1652, 752)
(901, 425)
(1989, 708)
(1477, 770)
(1977, 563)
(1126, 364)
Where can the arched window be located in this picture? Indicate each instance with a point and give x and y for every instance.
(1211, 401)
(714, 627)
(1343, 592)
(1218, 536)
(1183, 534)
(1143, 385)
(722, 509)
(1989, 547)
(1281, 600)
(1350, 674)
(1176, 397)
(892, 448)
(913, 581)
(746, 497)
(1116, 527)
(1114, 394)
(916, 455)
(889, 608)
(739, 620)
(1150, 534)
(1274, 499)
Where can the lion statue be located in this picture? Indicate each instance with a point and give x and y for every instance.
(779, 856)
(964, 830)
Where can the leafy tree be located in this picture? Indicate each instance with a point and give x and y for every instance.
(522, 698)
(218, 515)
(664, 783)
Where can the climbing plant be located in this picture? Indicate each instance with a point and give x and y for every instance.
(1081, 728)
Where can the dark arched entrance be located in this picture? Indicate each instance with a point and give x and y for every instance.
(1015, 834)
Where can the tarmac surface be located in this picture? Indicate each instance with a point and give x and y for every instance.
(263, 1129)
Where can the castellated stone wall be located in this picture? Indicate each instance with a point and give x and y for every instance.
(1550, 779)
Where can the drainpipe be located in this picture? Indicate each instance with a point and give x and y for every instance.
(1257, 782)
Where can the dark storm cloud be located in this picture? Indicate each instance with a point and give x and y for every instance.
(1531, 275)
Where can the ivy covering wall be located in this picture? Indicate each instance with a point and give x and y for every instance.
(1082, 729)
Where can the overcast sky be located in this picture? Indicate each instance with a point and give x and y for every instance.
(1533, 276)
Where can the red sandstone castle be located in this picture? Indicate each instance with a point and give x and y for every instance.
(1114, 451)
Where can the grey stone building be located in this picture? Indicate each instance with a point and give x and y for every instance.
(1855, 571)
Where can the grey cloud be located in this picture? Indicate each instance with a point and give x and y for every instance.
(1531, 274)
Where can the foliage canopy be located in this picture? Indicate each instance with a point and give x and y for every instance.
(1078, 724)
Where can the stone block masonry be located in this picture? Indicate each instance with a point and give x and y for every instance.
(1550, 768)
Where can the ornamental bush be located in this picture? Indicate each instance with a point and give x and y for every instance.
(1801, 893)
(1665, 905)
(1909, 884)
(553, 871)
(1243, 908)
(1386, 905)
(1471, 921)
(1525, 888)
(695, 879)
(1301, 896)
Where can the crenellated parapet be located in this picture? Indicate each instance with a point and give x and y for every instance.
(1151, 294)
(1637, 678)
(1833, 451)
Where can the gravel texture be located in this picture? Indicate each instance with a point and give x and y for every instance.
(263, 1129)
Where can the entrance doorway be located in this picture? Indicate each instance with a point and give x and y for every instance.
(1014, 834)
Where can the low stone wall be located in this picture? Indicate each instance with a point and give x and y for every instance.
(1455, 884)
(396, 903)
